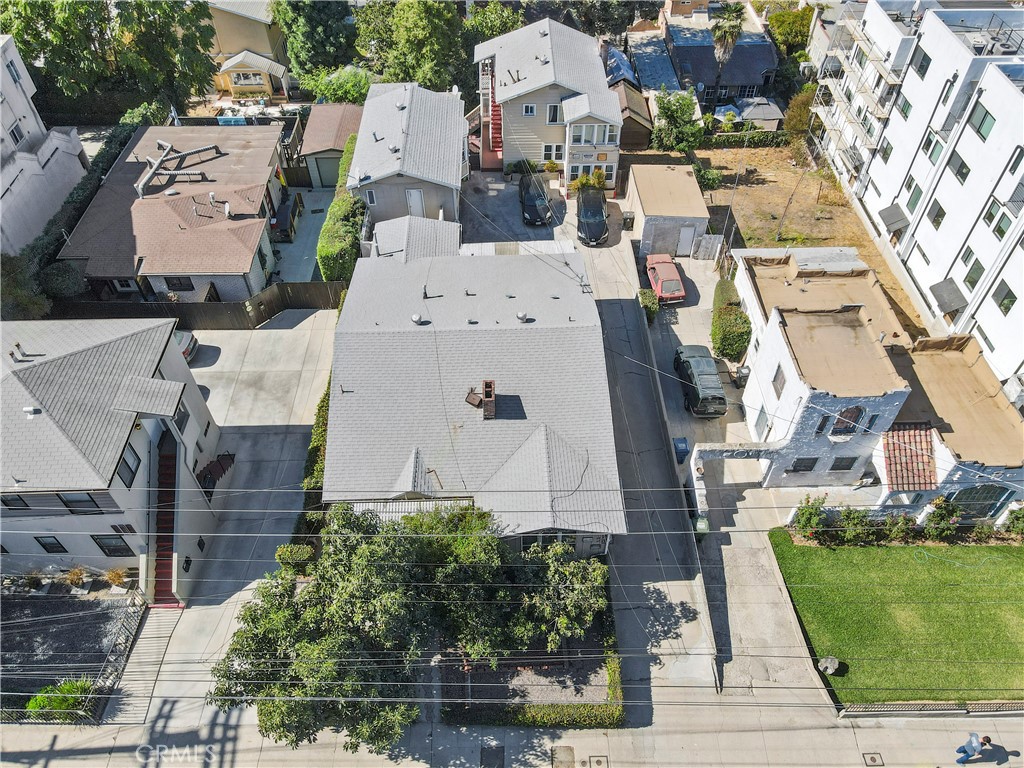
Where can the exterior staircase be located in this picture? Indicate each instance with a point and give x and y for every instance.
(496, 126)
(166, 505)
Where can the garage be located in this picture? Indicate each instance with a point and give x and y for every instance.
(328, 130)
(327, 170)
(669, 209)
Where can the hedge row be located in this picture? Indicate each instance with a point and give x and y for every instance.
(726, 294)
(313, 474)
(649, 301)
(344, 165)
(730, 332)
(747, 139)
(338, 246)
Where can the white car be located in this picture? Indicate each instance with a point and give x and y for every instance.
(187, 343)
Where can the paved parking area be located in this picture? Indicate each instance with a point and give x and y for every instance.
(296, 261)
(490, 211)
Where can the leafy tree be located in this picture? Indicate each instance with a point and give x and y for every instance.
(726, 31)
(600, 17)
(150, 113)
(675, 129)
(347, 84)
(375, 32)
(317, 32)
(427, 45)
(489, 21)
(20, 298)
(791, 28)
(62, 279)
(798, 114)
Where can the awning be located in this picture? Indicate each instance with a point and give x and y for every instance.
(250, 60)
(893, 218)
(948, 296)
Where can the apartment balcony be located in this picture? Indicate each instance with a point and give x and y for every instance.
(838, 112)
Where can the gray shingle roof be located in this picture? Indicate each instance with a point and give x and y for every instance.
(399, 420)
(252, 60)
(427, 134)
(415, 237)
(652, 62)
(694, 52)
(81, 376)
(546, 53)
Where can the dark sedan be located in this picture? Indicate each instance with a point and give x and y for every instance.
(592, 217)
(533, 198)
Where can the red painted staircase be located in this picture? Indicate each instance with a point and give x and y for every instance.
(166, 504)
(495, 126)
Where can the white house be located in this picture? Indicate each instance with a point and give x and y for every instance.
(38, 167)
(108, 453)
(921, 116)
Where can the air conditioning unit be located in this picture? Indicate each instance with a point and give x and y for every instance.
(1014, 389)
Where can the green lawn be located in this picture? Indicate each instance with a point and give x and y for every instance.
(912, 620)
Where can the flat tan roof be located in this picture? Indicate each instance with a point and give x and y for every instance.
(838, 351)
(782, 282)
(953, 389)
(668, 190)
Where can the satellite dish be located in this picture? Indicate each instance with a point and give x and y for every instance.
(700, 87)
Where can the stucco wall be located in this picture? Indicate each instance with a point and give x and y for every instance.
(391, 202)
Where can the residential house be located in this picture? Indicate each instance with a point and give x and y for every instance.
(185, 211)
(920, 116)
(38, 167)
(476, 379)
(748, 72)
(684, 7)
(327, 130)
(671, 215)
(412, 152)
(544, 96)
(107, 454)
(415, 237)
(636, 117)
(652, 62)
(249, 50)
(759, 113)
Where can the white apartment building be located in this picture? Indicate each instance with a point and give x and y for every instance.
(922, 117)
(38, 167)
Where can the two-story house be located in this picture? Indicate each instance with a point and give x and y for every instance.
(249, 49)
(544, 96)
(106, 440)
(38, 167)
(185, 211)
(412, 152)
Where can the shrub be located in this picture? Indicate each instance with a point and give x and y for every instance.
(75, 577)
(551, 166)
(587, 181)
(941, 523)
(855, 527)
(344, 165)
(649, 301)
(521, 166)
(151, 113)
(726, 294)
(899, 528)
(62, 280)
(116, 577)
(810, 517)
(20, 298)
(338, 246)
(313, 475)
(730, 332)
(1015, 522)
(798, 113)
(746, 139)
(294, 557)
(983, 532)
(707, 178)
(61, 703)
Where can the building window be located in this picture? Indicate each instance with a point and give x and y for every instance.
(1002, 227)
(613, 134)
(903, 106)
(871, 422)
(981, 121)
(1004, 297)
(974, 274)
(371, 197)
(574, 172)
(554, 152)
(181, 418)
(12, 68)
(985, 338)
(967, 255)
(959, 168)
(125, 285)
(822, 424)
(529, 110)
(79, 503)
(990, 214)
(187, 565)
(982, 500)
(804, 465)
(51, 544)
(885, 150)
(779, 381)
(179, 283)
(13, 501)
(847, 420)
(922, 254)
(750, 91)
(206, 431)
(16, 134)
(932, 147)
(920, 62)
(1018, 153)
(609, 174)
(843, 463)
(860, 57)
(128, 467)
(555, 114)
(249, 79)
(113, 545)
(936, 213)
(915, 198)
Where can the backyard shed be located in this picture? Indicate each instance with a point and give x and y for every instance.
(328, 128)
(669, 207)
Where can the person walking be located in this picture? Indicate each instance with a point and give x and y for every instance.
(972, 748)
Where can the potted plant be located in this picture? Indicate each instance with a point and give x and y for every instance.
(506, 174)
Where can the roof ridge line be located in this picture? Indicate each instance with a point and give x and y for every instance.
(156, 323)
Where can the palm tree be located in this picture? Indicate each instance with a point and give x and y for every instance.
(725, 32)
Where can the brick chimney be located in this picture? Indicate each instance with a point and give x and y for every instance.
(488, 399)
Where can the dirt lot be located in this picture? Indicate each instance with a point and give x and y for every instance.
(818, 215)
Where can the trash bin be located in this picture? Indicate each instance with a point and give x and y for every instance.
(742, 376)
(701, 527)
(628, 220)
(682, 448)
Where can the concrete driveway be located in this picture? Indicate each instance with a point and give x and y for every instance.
(296, 261)
(490, 211)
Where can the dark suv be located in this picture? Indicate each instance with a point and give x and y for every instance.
(533, 198)
(703, 392)
(592, 217)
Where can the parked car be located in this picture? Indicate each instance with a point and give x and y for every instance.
(533, 198)
(703, 393)
(187, 343)
(592, 217)
(666, 278)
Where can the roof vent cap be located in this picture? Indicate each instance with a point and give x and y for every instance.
(521, 317)
(417, 319)
(393, 148)
(171, 192)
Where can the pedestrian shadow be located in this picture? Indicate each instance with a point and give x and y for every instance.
(995, 754)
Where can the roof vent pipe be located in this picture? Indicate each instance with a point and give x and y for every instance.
(521, 317)
(416, 319)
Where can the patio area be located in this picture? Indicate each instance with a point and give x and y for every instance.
(296, 261)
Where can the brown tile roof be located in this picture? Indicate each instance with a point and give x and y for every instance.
(633, 104)
(329, 127)
(183, 232)
(909, 463)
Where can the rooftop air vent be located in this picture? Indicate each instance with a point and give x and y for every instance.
(543, 33)
(416, 319)
(393, 148)
(171, 192)
(521, 317)
(399, 106)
